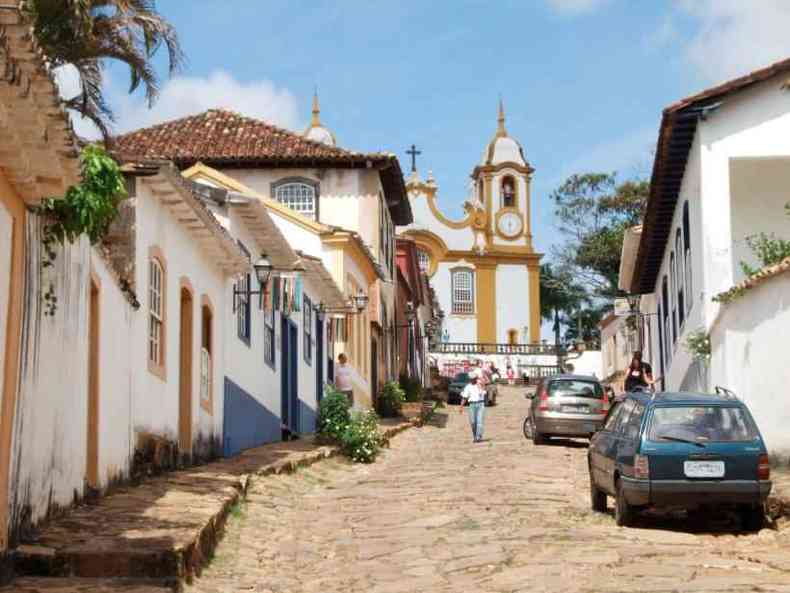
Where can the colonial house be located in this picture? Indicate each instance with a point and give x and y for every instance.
(349, 202)
(411, 315)
(720, 176)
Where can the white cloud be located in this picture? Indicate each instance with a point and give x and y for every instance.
(574, 7)
(185, 95)
(736, 36)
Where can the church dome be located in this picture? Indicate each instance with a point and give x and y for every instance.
(316, 131)
(503, 148)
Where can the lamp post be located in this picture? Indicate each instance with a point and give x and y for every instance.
(263, 269)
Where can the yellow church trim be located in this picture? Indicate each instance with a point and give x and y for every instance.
(210, 174)
(534, 303)
(485, 277)
(432, 244)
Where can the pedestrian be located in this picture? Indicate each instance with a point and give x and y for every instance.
(511, 375)
(474, 396)
(639, 374)
(343, 377)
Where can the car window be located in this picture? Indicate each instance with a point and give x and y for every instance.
(575, 388)
(462, 377)
(612, 417)
(631, 427)
(701, 424)
(628, 406)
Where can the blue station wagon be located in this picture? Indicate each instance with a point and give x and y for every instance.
(679, 450)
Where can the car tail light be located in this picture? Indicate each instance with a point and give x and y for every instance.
(641, 467)
(544, 401)
(763, 468)
(605, 402)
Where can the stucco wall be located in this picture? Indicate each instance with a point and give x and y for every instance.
(48, 459)
(156, 407)
(459, 328)
(512, 302)
(750, 356)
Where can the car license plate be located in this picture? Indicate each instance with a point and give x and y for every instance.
(574, 409)
(703, 469)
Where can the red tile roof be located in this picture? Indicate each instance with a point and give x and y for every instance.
(221, 138)
(218, 136)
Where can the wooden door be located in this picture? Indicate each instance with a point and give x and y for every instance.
(185, 375)
(94, 351)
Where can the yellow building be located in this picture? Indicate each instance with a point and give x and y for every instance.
(484, 268)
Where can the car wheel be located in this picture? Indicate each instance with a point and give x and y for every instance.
(623, 512)
(597, 497)
(753, 518)
(527, 428)
(538, 438)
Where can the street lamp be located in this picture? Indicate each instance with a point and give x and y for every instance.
(361, 300)
(263, 270)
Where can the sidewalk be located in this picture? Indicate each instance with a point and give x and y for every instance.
(164, 529)
(779, 499)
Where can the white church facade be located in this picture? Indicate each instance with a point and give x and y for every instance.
(484, 267)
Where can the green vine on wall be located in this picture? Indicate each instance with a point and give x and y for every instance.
(88, 208)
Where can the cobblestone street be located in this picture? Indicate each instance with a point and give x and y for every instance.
(438, 513)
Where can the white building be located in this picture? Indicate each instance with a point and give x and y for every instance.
(483, 267)
(721, 174)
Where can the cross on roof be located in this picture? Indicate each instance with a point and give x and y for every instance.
(413, 152)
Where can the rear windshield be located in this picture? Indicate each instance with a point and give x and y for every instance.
(572, 388)
(461, 378)
(701, 424)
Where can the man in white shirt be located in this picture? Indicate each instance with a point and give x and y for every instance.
(475, 395)
(343, 377)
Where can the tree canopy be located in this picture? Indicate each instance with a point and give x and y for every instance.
(85, 33)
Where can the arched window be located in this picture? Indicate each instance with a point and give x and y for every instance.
(463, 291)
(687, 257)
(156, 312)
(679, 282)
(423, 260)
(508, 192)
(298, 194)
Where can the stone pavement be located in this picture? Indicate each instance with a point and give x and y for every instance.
(439, 514)
(164, 529)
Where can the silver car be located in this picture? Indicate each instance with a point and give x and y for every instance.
(566, 406)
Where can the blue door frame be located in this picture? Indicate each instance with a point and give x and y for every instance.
(289, 398)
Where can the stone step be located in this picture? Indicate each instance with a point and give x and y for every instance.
(83, 585)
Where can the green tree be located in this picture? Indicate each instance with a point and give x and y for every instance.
(559, 296)
(593, 212)
(86, 33)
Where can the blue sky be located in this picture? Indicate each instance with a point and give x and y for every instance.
(583, 81)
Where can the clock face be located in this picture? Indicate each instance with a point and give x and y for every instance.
(510, 224)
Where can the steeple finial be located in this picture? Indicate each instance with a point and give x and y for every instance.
(316, 110)
(501, 119)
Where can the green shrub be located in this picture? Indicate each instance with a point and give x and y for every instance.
(390, 400)
(411, 387)
(361, 440)
(333, 414)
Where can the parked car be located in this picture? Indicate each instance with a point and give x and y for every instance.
(679, 450)
(460, 381)
(567, 406)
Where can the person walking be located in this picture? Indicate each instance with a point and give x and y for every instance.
(639, 374)
(475, 396)
(343, 377)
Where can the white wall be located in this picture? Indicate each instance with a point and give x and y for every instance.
(750, 356)
(156, 407)
(460, 328)
(512, 301)
(48, 458)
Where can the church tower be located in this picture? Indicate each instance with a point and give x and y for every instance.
(484, 266)
(503, 180)
(316, 131)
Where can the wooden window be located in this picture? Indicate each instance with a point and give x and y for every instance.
(673, 293)
(156, 315)
(307, 329)
(244, 310)
(206, 355)
(463, 292)
(687, 257)
(512, 337)
(679, 280)
(268, 336)
(667, 354)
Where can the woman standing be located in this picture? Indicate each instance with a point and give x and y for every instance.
(638, 374)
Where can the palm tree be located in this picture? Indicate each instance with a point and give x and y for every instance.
(558, 295)
(86, 33)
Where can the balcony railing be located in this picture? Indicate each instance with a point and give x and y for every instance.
(483, 348)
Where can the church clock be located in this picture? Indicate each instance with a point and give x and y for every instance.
(510, 224)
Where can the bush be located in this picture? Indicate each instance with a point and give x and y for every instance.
(361, 440)
(390, 401)
(411, 387)
(333, 414)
